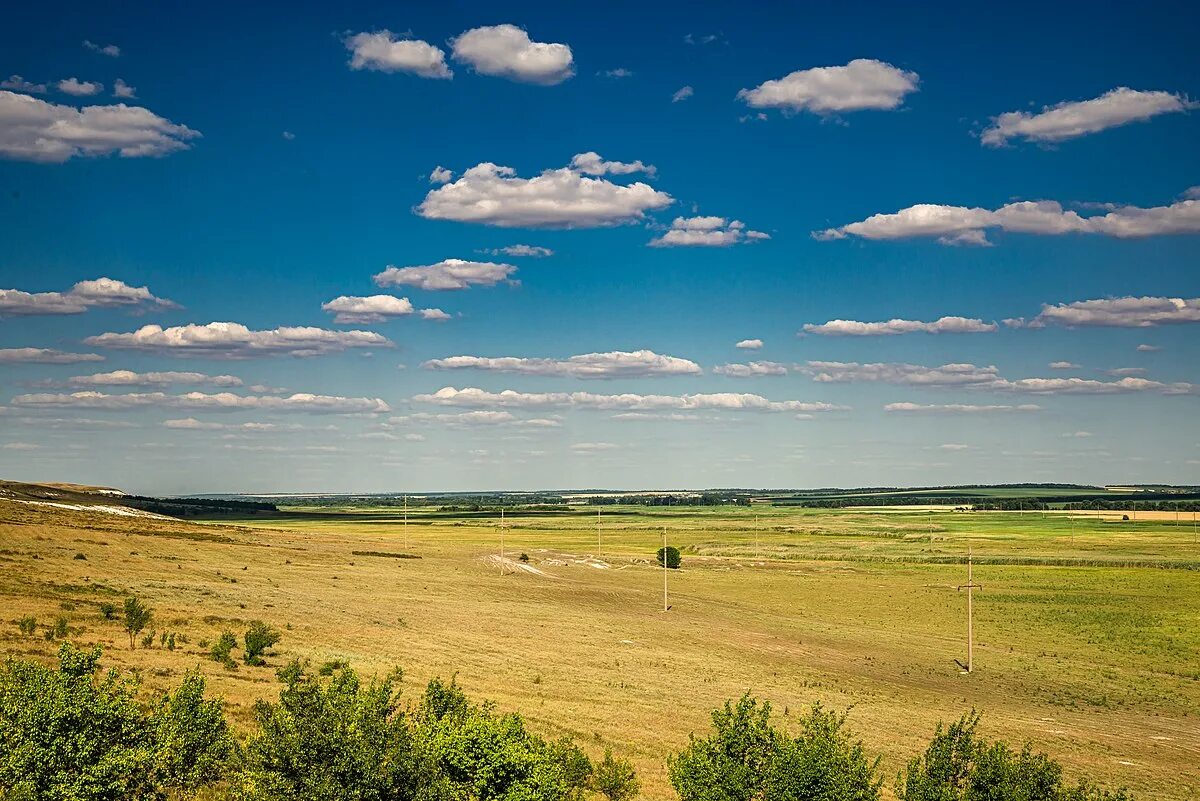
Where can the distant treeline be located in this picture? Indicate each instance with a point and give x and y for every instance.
(703, 499)
(1138, 506)
(969, 501)
(196, 507)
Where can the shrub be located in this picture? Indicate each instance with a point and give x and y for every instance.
(61, 629)
(747, 758)
(80, 556)
(259, 637)
(960, 766)
(335, 739)
(148, 640)
(615, 779)
(108, 610)
(137, 617)
(27, 625)
(524, 557)
(73, 733)
(222, 648)
(673, 558)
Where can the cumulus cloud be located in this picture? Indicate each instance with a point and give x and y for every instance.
(473, 419)
(591, 163)
(441, 175)
(862, 84)
(970, 376)
(490, 194)
(434, 314)
(236, 341)
(128, 378)
(1124, 312)
(593, 447)
(506, 51)
(533, 251)
(110, 50)
(1069, 120)
(706, 232)
(725, 401)
(192, 424)
(619, 72)
(956, 225)
(35, 130)
(16, 83)
(682, 93)
(750, 344)
(45, 356)
(78, 88)
(614, 364)
(751, 369)
(82, 296)
(372, 309)
(123, 90)
(942, 325)
(448, 274)
(1063, 366)
(220, 401)
(1120, 371)
(1148, 348)
(958, 408)
(383, 51)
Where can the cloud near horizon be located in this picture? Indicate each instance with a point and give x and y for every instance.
(613, 364)
(236, 341)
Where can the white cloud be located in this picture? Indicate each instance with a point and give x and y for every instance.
(1077, 435)
(192, 424)
(506, 51)
(961, 225)
(862, 84)
(1191, 193)
(128, 378)
(953, 446)
(751, 369)
(18, 84)
(969, 376)
(383, 51)
(441, 175)
(614, 364)
(1121, 371)
(533, 251)
(45, 356)
(110, 50)
(563, 198)
(123, 90)
(958, 408)
(372, 309)
(220, 401)
(591, 163)
(446, 275)
(706, 232)
(1143, 348)
(1072, 119)
(750, 344)
(725, 401)
(35, 130)
(682, 93)
(236, 341)
(473, 419)
(78, 88)
(1063, 366)
(942, 325)
(434, 314)
(288, 135)
(21, 446)
(619, 72)
(1124, 312)
(79, 298)
(593, 447)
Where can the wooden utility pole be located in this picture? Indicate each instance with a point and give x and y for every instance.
(970, 587)
(597, 532)
(757, 550)
(406, 522)
(501, 532)
(665, 568)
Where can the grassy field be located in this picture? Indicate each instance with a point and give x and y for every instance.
(1087, 627)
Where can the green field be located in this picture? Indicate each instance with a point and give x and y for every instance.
(1087, 626)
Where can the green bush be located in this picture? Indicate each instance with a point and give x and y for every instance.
(959, 765)
(137, 617)
(747, 758)
(673, 558)
(108, 610)
(27, 625)
(74, 733)
(614, 778)
(222, 649)
(333, 740)
(61, 628)
(259, 637)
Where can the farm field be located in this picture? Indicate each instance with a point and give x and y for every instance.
(1087, 627)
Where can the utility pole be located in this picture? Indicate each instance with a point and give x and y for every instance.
(502, 532)
(757, 550)
(931, 527)
(970, 587)
(597, 532)
(406, 522)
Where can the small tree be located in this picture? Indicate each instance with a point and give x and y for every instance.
(259, 637)
(137, 617)
(673, 558)
(27, 625)
(615, 778)
(108, 610)
(221, 649)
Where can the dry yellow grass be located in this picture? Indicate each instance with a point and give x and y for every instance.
(1098, 665)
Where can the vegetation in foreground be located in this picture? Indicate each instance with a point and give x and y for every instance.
(76, 733)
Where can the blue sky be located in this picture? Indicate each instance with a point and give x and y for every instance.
(1027, 177)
